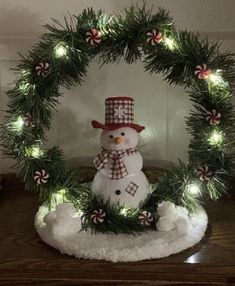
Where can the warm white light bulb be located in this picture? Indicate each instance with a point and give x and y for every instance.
(193, 189)
(18, 124)
(216, 138)
(58, 198)
(170, 43)
(34, 152)
(60, 51)
(25, 72)
(216, 79)
(124, 211)
(24, 86)
(62, 192)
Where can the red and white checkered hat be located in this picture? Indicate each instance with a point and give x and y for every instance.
(119, 112)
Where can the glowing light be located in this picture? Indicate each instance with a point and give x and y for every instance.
(124, 211)
(170, 43)
(34, 152)
(18, 124)
(216, 138)
(62, 192)
(61, 51)
(193, 189)
(216, 79)
(24, 86)
(25, 72)
(58, 198)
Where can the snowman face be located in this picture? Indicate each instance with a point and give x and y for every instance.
(119, 139)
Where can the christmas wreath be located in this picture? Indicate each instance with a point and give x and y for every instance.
(61, 59)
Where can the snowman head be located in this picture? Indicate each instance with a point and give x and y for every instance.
(119, 139)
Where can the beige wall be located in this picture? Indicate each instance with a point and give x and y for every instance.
(159, 107)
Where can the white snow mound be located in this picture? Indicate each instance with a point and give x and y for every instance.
(177, 230)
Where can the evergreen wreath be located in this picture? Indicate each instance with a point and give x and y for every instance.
(61, 59)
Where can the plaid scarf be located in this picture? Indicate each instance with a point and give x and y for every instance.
(118, 169)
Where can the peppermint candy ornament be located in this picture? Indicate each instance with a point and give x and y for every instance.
(154, 37)
(98, 216)
(145, 218)
(204, 173)
(93, 37)
(202, 72)
(42, 69)
(213, 117)
(41, 177)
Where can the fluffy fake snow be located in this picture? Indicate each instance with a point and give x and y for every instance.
(172, 218)
(176, 232)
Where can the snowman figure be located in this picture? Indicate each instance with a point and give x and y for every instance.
(120, 178)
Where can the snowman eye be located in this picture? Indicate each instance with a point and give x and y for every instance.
(123, 134)
(110, 136)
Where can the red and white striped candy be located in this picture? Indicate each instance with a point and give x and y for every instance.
(93, 37)
(98, 216)
(213, 117)
(145, 218)
(202, 72)
(42, 69)
(154, 37)
(41, 177)
(204, 173)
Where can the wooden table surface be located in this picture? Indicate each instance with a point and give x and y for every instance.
(26, 260)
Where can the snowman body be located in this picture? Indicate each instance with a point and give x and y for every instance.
(131, 188)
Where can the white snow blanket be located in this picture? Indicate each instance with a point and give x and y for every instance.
(61, 230)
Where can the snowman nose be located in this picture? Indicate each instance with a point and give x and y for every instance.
(117, 140)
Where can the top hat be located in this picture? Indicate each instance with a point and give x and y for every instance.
(119, 112)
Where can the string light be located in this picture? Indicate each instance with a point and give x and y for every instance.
(61, 192)
(216, 78)
(58, 198)
(24, 86)
(61, 50)
(25, 72)
(193, 189)
(34, 152)
(216, 138)
(18, 124)
(170, 43)
(124, 211)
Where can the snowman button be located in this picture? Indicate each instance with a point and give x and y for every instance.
(117, 192)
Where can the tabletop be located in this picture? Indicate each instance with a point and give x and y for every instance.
(26, 260)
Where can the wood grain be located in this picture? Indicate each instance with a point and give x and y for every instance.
(26, 260)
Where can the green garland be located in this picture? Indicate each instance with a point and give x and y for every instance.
(61, 59)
